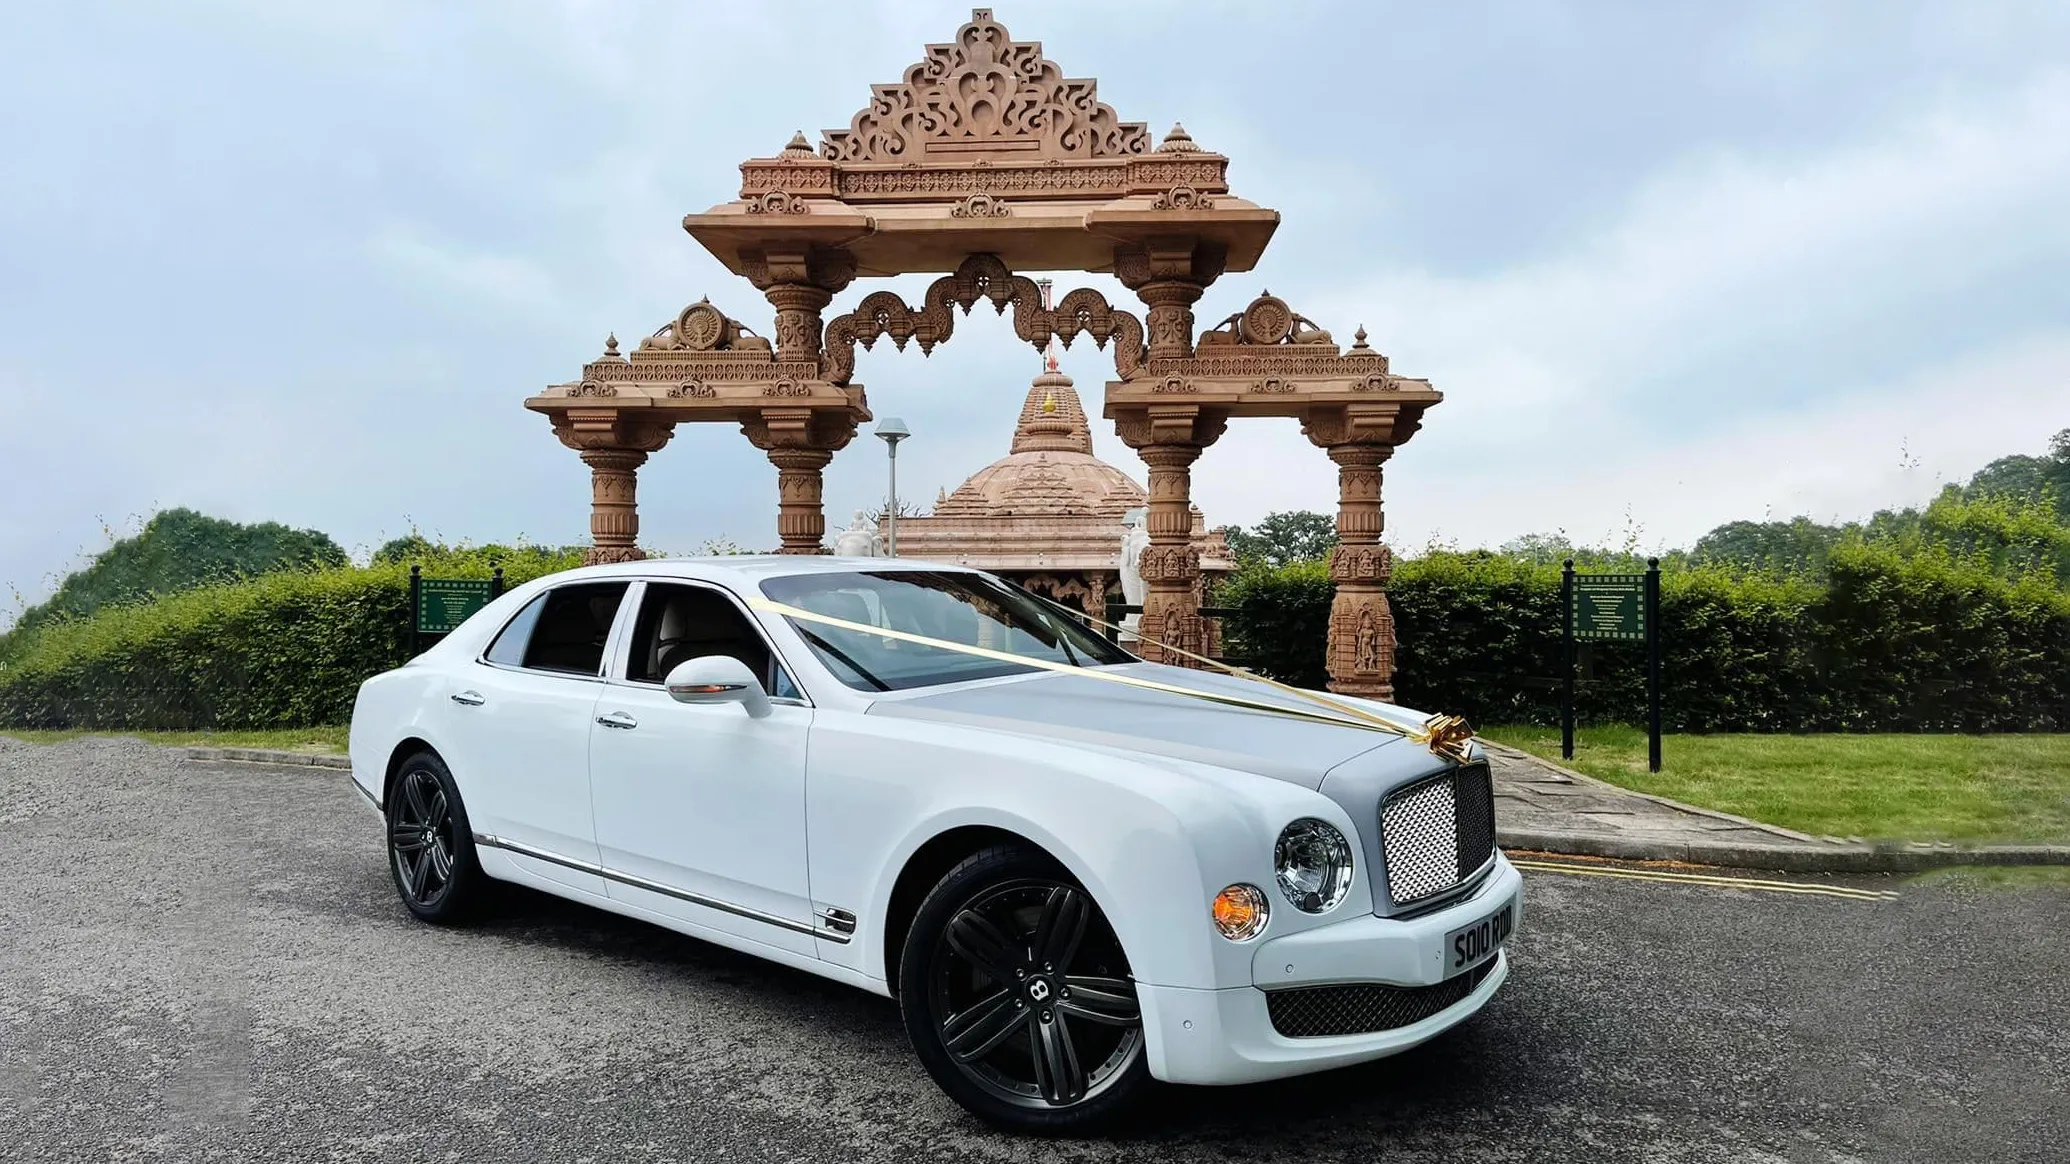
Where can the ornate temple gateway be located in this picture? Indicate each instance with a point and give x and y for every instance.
(984, 161)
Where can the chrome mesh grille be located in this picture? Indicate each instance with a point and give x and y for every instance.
(1313, 1012)
(1437, 833)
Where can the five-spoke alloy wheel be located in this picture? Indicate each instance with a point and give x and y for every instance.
(430, 849)
(1018, 996)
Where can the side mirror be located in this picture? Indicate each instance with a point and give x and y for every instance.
(718, 679)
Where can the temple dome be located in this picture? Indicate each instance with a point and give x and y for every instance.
(1051, 469)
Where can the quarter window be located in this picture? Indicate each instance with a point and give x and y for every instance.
(563, 630)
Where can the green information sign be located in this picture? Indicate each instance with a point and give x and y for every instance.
(1610, 606)
(445, 603)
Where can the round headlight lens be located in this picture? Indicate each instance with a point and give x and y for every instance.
(1314, 863)
(1240, 912)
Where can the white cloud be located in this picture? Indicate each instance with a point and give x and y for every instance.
(1650, 367)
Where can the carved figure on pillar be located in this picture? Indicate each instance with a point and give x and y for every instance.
(799, 442)
(614, 450)
(1170, 438)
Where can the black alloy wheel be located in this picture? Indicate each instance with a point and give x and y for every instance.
(1019, 998)
(430, 849)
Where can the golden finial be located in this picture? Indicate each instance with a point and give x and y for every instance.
(1049, 401)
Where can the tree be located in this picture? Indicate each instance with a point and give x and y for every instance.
(179, 549)
(1283, 538)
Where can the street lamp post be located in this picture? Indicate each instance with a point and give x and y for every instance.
(892, 430)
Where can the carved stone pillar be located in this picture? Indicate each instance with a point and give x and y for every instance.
(1169, 320)
(614, 449)
(798, 307)
(1361, 647)
(799, 284)
(1169, 277)
(799, 442)
(1170, 438)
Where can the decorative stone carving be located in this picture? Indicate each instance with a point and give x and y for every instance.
(592, 388)
(980, 206)
(702, 327)
(777, 202)
(1267, 321)
(1182, 198)
(691, 389)
(799, 442)
(883, 313)
(982, 92)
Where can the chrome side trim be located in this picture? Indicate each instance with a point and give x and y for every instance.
(362, 790)
(623, 878)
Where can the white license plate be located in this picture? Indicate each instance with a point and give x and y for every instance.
(1469, 946)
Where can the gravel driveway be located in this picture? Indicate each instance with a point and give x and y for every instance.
(208, 962)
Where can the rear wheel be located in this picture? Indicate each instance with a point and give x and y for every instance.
(1019, 999)
(430, 846)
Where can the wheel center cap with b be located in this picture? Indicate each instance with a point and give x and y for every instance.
(1039, 990)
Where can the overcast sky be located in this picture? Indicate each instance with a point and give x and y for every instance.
(1671, 264)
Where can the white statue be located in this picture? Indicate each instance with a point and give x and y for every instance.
(1135, 539)
(860, 539)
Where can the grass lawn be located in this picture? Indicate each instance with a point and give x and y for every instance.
(315, 739)
(1996, 788)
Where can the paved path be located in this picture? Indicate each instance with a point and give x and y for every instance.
(207, 961)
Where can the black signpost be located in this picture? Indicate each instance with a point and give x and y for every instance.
(440, 605)
(1611, 608)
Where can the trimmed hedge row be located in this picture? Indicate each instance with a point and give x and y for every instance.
(1883, 643)
(284, 650)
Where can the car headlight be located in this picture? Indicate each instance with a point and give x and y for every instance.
(1314, 863)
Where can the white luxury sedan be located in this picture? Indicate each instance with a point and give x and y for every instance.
(1077, 872)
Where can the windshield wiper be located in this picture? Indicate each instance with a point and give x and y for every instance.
(842, 656)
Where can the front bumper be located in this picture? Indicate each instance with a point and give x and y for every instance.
(1227, 1036)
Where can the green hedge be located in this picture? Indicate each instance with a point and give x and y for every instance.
(284, 650)
(1883, 643)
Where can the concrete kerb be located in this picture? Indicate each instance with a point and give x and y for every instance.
(1825, 857)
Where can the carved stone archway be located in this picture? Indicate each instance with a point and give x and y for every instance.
(986, 160)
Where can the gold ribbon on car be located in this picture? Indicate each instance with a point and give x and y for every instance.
(1447, 736)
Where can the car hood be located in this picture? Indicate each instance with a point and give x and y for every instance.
(1113, 716)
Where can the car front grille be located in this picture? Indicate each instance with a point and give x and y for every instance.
(1314, 1012)
(1437, 833)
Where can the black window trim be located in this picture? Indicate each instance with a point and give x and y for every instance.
(610, 639)
(618, 653)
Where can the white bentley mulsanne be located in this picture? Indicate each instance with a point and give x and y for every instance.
(1076, 871)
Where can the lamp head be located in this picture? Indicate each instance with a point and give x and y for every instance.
(893, 430)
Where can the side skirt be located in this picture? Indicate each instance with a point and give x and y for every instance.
(503, 869)
(609, 874)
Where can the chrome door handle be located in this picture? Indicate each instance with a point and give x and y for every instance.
(469, 698)
(618, 719)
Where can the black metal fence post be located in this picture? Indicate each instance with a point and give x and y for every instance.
(1113, 620)
(1567, 660)
(416, 605)
(496, 584)
(1653, 664)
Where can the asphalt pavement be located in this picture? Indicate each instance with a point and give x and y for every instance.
(207, 961)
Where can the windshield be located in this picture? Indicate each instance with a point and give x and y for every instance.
(970, 609)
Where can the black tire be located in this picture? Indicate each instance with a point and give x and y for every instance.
(430, 846)
(1010, 962)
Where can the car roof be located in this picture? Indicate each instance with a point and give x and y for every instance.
(754, 567)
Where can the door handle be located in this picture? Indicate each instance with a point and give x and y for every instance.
(469, 698)
(618, 719)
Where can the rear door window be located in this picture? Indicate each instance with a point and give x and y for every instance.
(563, 630)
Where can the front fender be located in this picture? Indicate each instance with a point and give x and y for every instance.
(1152, 841)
